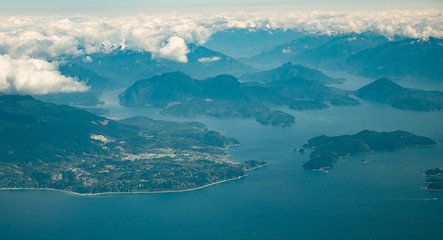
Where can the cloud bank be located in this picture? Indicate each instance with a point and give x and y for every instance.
(34, 76)
(26, 42)
(414, 24)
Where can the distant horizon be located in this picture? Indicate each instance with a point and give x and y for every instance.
(130, 7)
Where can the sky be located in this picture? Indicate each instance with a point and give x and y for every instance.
(118, 7)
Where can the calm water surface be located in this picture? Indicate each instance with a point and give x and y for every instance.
(382, 199)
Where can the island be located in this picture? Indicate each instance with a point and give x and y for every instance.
(329, 150)
(434, 183)
(224, 96)
(436, 186)
(434, 172)
(434, 180)
(64, 148)
(386, 91)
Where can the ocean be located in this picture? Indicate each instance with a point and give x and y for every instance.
(381, 199)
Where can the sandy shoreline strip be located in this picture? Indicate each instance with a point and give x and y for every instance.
(435, 190)
(109, 193)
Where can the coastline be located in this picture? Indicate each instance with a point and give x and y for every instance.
(109, 193)
(434, 190)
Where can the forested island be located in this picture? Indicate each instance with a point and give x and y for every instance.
(366, 54)
(225, 96)
(329, 150)
(59, 147)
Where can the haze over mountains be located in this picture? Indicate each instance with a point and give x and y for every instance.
(120, 68)
(127, 66)
(416, 59)
(365, 54)
(242, 43)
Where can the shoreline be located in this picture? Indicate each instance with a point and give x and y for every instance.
(109, 193)
(434, 190)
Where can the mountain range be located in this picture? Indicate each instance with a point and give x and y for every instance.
(247, 42)
(416, 59)
(365, 54)
(127, 66)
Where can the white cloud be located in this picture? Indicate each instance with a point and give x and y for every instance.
(209, 59)
(34, 76)
(87, 59)
(29, 40)
(286, 50)
(51, 37)
(415, 24)
(175, 49)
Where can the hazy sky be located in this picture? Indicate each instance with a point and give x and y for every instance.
(43, 7)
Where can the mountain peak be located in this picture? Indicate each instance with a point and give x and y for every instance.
(288, 71)
(384, 83)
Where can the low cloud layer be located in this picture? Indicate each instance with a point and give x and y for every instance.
(51, 37)
(25, 41)
(34, 76)
(414, 24)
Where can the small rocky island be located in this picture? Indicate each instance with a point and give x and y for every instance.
(59, 147)
(434, 183)
(329, 150)
(434, 172)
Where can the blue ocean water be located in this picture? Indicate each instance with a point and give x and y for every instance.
(382, 199)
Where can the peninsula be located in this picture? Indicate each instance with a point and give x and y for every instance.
(59, 147)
